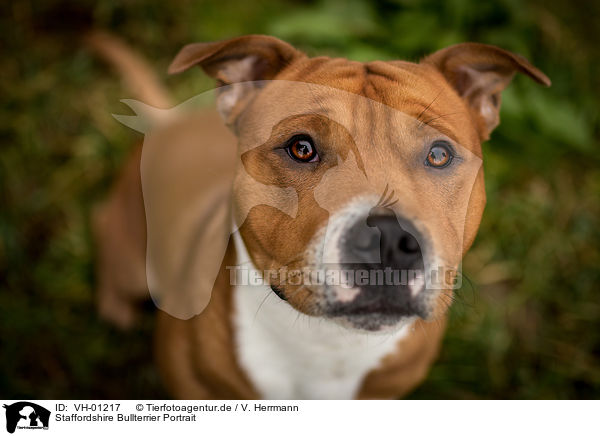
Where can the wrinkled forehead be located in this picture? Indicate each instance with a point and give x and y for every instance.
(368, 99)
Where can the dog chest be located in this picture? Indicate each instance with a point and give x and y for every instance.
(288, 355)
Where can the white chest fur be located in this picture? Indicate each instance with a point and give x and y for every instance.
(288, 355)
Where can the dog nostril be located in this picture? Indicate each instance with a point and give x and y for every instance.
(408, 244)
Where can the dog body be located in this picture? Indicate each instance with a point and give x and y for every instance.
(286, 357)
(248, 345)
(339, 165)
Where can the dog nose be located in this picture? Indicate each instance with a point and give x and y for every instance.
(384, 252)
(383, 240)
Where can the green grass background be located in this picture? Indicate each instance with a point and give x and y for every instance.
(527, 321)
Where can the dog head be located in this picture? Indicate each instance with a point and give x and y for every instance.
(380, 163)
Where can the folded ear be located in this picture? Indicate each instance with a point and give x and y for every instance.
(235, 63)
(479, 73)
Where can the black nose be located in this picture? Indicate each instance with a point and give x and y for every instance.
(383, 240)
(371, 247)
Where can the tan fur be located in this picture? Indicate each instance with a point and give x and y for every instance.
(119, 223)
(197, 356)
(119, 226)
(139, 78)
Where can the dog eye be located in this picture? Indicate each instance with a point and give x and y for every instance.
(302, 149)
(440, 155)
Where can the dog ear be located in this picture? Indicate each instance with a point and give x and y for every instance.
(236, 63)
(479, 73)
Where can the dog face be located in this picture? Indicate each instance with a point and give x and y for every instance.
(381, 162)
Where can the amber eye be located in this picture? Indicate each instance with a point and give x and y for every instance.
(439, 155)
(302, 149)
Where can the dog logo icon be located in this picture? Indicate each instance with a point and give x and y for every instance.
(26, 415)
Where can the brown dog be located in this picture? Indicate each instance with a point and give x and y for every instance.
(340, 166)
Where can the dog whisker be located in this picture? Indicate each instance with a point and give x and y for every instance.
(261, 304)
(440, 116)
(429, 105)
(388, 205)
(381, 201)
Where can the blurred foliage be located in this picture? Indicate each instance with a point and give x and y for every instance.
(527, 321)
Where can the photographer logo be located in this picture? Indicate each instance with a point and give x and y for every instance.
(25, 415)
